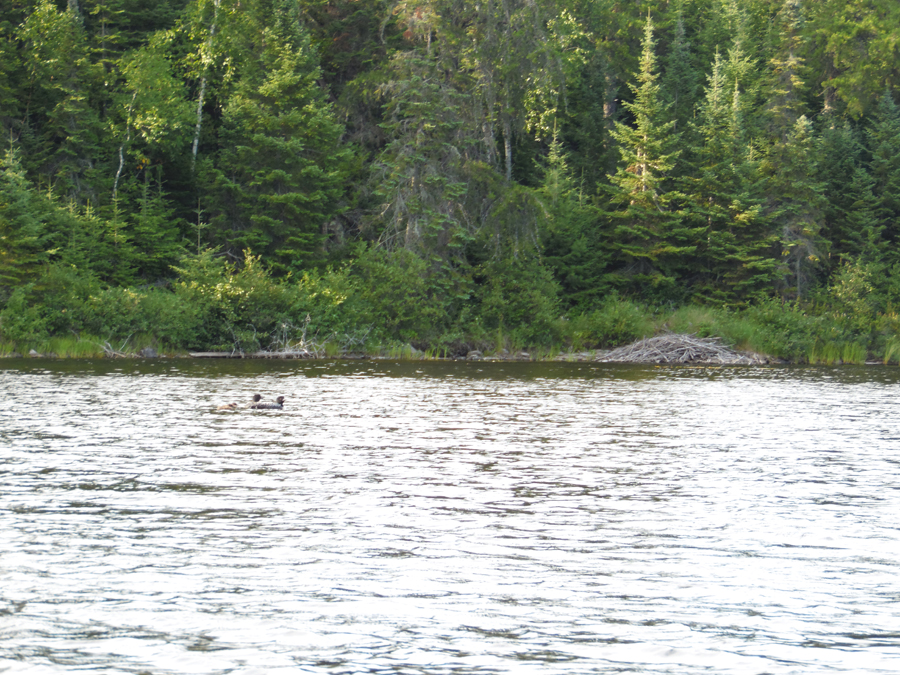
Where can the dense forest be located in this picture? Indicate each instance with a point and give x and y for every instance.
(450, 174)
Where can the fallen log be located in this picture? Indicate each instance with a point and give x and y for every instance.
(254, 355)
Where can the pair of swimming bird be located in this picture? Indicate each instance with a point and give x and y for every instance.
(256, 405)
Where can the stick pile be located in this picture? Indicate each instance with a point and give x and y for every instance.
(679, 348)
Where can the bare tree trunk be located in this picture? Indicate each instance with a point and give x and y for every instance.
(830, 94)
(202, 96)
(507, 146)
(122, 147)
(199, 122)
(609, 101)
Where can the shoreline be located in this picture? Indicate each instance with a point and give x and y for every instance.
(599, 356)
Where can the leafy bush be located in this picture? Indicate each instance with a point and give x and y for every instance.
(50, 305)
(520, 298)
(791, 331)
(617, 321)
(22, 322)
(695, 319)
(403, 296)
(236, 307)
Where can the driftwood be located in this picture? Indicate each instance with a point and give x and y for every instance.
(293, 354)
(111, 352)
(680, 348)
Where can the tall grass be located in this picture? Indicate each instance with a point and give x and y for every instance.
(71, 347)
(614, 323)
(892, 350)
(694, 319)
(854, 353)
(831, 353)
(827, 353)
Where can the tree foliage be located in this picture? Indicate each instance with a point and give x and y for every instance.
(495, 159)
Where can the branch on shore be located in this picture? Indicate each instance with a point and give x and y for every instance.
(680, 348)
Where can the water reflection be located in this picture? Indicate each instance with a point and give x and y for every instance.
(447, 518)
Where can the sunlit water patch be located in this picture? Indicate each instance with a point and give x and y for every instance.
(448, 518)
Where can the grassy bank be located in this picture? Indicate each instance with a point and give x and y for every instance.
(778, 331)
(396, 308)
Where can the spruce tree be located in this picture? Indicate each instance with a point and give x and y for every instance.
(883, 135)
(785, 86)
(63, 133)
(735, 259)
(279, 173)
(795, 201)
(10, 71)
(651, 241)
(156, 233)
(680, 83)
(574, 244)
(849, 216)
(22, 231)
(421, 174)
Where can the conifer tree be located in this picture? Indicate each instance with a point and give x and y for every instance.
(785, 86)
(742, 71)
(586, 127)
(680, 82)
(9, 65)
(422, 170)
(735, 261)
(649, 236)
(515, 61)
(795, 201)
(278, 175)
(883, 137)
(63, 133)
(575, 248)
(155, 231)
(849, 216)
(115, 27)
(22, 232)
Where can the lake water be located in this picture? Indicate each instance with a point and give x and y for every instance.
(448, 518)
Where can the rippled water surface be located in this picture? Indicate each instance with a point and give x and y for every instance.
(448, 518)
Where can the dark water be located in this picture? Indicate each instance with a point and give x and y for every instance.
(448, 518)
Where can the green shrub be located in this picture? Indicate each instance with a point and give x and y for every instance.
(331, 301)
(789, 331)
(402, 296)
(696, 320)
(50, 305)
(518, 303)
(235, 308)
(617, 321)
(23, 322)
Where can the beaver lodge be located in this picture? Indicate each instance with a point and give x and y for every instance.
(680, 348)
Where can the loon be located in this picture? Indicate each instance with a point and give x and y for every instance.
(278, 405)
(235, 406)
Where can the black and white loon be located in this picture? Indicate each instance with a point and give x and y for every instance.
(278, 405)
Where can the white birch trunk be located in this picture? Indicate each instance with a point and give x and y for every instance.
(202, 96)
